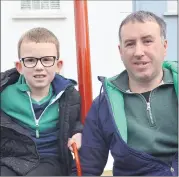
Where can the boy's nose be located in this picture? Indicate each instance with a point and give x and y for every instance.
(39, 65)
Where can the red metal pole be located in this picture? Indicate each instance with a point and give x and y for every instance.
(83, 55)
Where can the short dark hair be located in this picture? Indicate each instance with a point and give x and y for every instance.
(38, 35)
(143, 16)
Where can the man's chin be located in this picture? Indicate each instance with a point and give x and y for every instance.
(144, 78)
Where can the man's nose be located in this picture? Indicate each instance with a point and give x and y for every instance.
(139, 50)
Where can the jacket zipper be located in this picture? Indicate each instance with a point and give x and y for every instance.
(149, 110)
(150, 113)
(37, 131)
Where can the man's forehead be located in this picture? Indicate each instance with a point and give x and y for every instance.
(131, 30)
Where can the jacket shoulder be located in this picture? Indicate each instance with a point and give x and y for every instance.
(9, 77)
(73, 96)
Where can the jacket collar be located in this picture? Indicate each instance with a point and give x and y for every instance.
(12, 76)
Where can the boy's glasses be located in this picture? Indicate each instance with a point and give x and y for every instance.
(31, 62)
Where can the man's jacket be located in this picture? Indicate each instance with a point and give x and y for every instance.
(19, 151)
(106, 129)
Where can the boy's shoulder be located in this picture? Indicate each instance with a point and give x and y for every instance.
(9, 77)
(73, 95)
(9, 73)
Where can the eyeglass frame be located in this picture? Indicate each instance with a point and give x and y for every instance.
(38, 59)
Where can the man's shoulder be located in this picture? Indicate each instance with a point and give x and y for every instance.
(100, 103)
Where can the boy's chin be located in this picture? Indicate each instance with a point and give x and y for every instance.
(41, 86)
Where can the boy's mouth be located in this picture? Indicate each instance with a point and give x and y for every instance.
(39, 76)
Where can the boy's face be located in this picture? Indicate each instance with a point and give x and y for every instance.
(39, 76)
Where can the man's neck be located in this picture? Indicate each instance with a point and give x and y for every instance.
(39, 94)
(141, 87)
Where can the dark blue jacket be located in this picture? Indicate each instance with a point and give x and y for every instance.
(100, 134)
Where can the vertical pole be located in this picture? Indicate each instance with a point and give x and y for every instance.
(83, 55)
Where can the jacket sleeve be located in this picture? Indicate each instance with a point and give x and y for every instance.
(75, 112)
(94, 150)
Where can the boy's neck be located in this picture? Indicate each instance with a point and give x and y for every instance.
(39, 94)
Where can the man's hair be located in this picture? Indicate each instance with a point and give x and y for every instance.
(39, 35)
(142, 17)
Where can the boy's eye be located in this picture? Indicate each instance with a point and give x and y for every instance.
(30, 60)
(48, 59)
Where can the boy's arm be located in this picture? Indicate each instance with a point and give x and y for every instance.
(94, 150)
(76, 126)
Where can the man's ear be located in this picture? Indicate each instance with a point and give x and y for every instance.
(18, 66)
(120, 51)
(165, 47)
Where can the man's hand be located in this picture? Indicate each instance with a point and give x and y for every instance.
(75, 138)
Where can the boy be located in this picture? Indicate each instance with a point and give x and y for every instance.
(40, 110)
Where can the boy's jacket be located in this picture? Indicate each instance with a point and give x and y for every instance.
(18, 150)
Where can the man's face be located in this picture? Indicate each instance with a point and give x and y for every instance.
(38, 77)
(142, 50)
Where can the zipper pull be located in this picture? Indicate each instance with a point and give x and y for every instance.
(148, 106)
(37, 131)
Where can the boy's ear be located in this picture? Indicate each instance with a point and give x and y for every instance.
(18, 66)
(59, 65)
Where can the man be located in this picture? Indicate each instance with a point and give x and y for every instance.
(135, 117)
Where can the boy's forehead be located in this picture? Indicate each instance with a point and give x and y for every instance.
(29, 48)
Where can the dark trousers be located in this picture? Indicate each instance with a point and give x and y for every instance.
(46, 167)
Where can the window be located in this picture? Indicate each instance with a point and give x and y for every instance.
(40, 4)
(38, 9)
(171, 7)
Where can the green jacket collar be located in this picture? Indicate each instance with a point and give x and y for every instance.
(121, 81)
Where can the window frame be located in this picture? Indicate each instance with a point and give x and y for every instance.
(172, 9)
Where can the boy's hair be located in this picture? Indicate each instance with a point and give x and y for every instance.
(142, 17)
(39, 35)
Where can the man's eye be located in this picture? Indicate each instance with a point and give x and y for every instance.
(129, 44)
(148, 41)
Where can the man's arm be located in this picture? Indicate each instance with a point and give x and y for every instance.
(94, 151)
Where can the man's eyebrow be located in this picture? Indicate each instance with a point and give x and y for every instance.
(147, 36)
(129, 40)
(143, 37)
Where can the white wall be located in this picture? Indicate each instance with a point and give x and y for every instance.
(104, 20)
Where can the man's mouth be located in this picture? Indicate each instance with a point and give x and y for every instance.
(141, 63)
